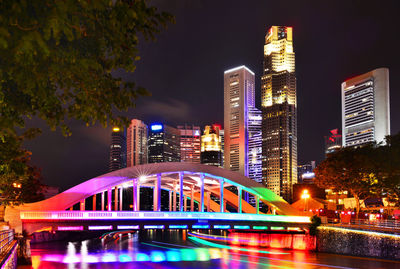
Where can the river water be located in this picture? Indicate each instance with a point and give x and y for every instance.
(180, 249)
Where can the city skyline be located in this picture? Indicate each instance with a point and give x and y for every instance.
(317, 79)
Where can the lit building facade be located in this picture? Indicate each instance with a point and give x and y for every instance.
(333, 142)
(117, 150)
(211, 148)
(305, 172)
(222, 136)
(136, 143)
(238, 98)
(255, 144)
(190, 143)
(163, 144)
(365, 108)
(278, 101)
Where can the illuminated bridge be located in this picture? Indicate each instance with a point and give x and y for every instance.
(197, 197)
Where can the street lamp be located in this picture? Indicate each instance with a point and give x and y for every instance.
(305, 196)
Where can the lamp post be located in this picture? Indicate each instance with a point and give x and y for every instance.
(305, 196)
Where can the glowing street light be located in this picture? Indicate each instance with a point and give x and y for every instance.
(305, 195)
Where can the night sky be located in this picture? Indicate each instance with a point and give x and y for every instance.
(184, 71)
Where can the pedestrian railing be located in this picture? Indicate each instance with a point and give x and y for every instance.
(379, 225)
(6, 238)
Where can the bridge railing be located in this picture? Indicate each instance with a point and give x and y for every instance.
(127, 215)
(6, 238)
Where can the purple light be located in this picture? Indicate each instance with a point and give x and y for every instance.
(94, 228)
(127, 227)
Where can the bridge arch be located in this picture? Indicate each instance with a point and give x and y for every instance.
(186, 179)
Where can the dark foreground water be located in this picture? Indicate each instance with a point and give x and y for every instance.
(178, 249)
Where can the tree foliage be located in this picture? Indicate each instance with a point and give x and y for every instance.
(57, 57)
(370, 170)
(58, 61)
(19, 181)
(349, 169)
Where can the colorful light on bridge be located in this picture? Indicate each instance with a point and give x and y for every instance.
(100, 227)
(178, 226)
(70, 228)
(200, 226)
(153, 226)
(128, 227)
(222, 226)
(241, 227)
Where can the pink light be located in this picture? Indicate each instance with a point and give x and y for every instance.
(70, 228)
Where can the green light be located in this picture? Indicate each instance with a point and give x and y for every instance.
(188, 255)
(260, 227)
(242, 227)
(211, 244)
(278, 228)
(222, 226)
(141, 257)
(202, 254)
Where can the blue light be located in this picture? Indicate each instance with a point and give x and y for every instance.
(222, 226)
(157, 256)
(178, 226)
(173, 256)
(125, 258)
(154, 226)
(198, 226)
(156, 127)
(142, 257)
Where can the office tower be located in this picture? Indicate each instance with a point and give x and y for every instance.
(211, 149)
(255, 144)
(238, 98)
(278, 103)
(117, 150)
(164, 144)
(222, 136)
(305, 172)
(365, 108)
(333, 142)
(136, 141)
(190, 143)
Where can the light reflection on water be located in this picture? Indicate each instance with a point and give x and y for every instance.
(175, 249)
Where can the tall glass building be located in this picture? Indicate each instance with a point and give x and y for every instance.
(365, 108)
(136, 143)
(242, 124)
(164, 144)
(278, 103)
(117, 150)
(255, 144)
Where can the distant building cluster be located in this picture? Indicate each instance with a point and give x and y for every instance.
(261, 143)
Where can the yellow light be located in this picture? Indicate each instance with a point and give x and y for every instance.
(116, 129)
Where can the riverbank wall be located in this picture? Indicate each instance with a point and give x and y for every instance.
(358, 243)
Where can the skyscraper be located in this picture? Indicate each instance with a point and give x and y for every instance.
(136, 143)
(365, 108)
(117, 150)
(255, 144)
(190, 143)
(211, 149)
(333, 142)
(238, 98)
(278, 102)
(164, 144)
